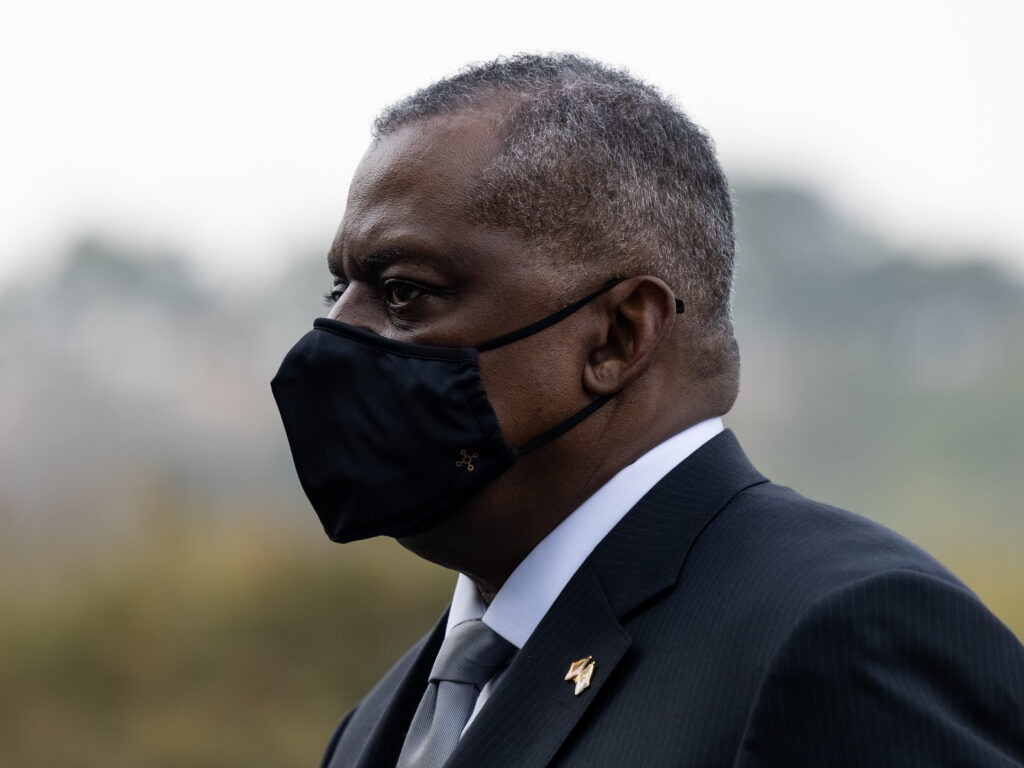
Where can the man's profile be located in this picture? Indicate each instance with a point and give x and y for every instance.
(522, 378)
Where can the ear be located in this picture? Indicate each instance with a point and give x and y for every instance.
(637, 316)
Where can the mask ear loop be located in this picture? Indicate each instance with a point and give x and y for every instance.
(528, 330)
(560, 429)
(557, 317)
(545, 322)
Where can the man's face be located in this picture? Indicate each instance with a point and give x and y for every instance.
(409, 265)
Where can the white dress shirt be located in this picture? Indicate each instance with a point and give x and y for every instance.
(536, 583)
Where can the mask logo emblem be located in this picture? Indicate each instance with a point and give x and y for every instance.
(467, 459)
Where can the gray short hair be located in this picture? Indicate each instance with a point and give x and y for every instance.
(602, 169)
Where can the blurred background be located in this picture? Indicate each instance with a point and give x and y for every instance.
(172, 174)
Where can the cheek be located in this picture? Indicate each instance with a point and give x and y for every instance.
(532, 387)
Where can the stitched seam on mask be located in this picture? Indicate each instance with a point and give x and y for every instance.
(393, 346)
(480, 426)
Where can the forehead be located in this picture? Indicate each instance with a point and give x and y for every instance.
(420, 179)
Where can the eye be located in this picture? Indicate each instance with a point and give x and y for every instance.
(398, 293)
(332, 296)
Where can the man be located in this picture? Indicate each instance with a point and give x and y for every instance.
(522, 378)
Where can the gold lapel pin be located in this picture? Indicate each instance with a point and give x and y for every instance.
(581, 671)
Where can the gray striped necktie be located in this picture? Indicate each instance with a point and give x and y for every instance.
(469, 657)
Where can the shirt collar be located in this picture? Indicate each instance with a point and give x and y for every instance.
(535, 584)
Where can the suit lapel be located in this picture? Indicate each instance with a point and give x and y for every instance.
(534, 694)
(645, 552)
(642, 556)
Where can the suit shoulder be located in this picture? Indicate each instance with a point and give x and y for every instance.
(777, 553)
(782, 529)
(897, 668)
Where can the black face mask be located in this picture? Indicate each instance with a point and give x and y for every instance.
(390, 437)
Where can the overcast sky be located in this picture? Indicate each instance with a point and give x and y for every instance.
(230, 128)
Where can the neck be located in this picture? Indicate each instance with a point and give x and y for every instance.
(490, 536)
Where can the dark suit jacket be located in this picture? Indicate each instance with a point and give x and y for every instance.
(736, 623)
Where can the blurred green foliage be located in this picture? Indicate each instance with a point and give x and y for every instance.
(206, 645)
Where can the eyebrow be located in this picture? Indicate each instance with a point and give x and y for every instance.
(379, 260)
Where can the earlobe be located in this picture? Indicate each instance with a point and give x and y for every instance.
(638, 315)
